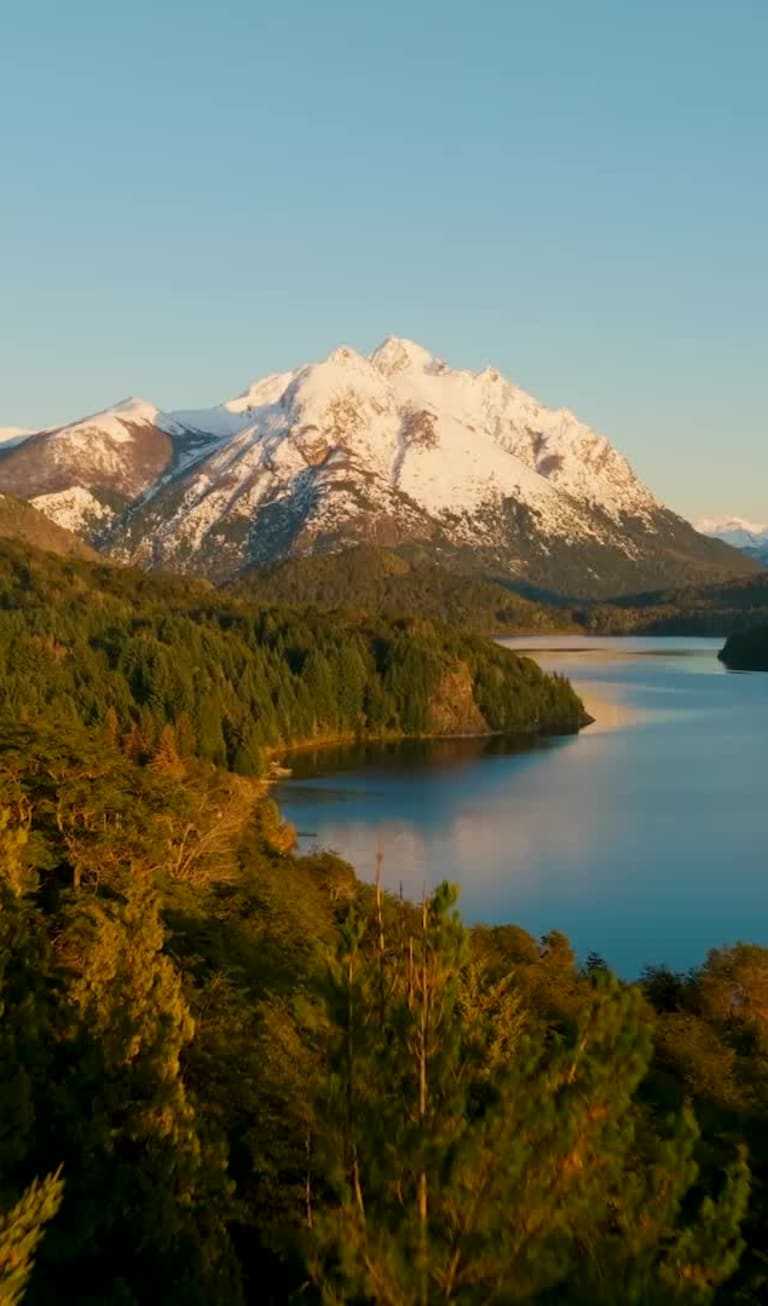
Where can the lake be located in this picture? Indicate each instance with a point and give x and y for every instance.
(643, 838)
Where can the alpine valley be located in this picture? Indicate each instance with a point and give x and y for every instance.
(395, 450)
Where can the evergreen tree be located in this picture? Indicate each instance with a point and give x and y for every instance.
(165, 758)
(21, 1230)
(146, 1200)
(472, 1155)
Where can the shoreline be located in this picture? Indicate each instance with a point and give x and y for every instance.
(274, 755)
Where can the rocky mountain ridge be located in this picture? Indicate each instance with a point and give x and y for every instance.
(388, 449)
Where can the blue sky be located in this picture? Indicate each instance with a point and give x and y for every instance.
(195, 194)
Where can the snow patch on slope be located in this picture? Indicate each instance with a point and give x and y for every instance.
(114, 422)
(76, 509)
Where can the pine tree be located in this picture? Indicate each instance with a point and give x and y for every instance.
(26, 1011)
(165, 758)
(111, 728)
(210, 737)
(21, 1231)
(472, 1153)
(145, 1197)
(248, 756)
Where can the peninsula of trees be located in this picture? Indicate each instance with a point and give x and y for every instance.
(228, 681)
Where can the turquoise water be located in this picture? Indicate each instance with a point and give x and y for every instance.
(644, 838)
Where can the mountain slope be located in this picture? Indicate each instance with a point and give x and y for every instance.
(84, 474)
(236, 678)
(396, 448)
(10, 436)
(399, 448)
(718, 609)
(20, 521)
(383, 582)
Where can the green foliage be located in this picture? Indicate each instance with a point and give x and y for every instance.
(705, 609)
(712, 1049)
(99, 646)
(395, 583)
(292, 1079)
(21, 1230)
(468, 1150)
(264, 1081)
(19, 520)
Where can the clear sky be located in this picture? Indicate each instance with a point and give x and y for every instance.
(193, 194)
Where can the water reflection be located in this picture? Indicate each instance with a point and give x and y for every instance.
(644, 837)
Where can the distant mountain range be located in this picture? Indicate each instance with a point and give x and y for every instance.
(388, 450)
(750, 537)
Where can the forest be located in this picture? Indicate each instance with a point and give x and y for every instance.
(231, 681)
(408, 580)
(733, 605)
(412, 580)
(233, 1074)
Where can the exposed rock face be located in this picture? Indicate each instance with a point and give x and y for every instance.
(453, 710)
(390, 449)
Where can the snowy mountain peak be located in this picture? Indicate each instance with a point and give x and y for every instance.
(392, 448)
(739, 532)
(396, 354)
(112, 421)
(343, 356)
(135, 406)
(82, 473)
(714, 525)
(267, 390)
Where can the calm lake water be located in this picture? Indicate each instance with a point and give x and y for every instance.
(644, 838)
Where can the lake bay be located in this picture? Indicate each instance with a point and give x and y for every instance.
(644, 838)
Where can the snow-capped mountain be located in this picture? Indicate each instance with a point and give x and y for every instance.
(737, 531)
(85, 474)
(394, 448)
(750, 537)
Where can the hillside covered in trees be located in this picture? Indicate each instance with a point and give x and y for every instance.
(230, 681)
(391, 582)
(699, 610)
(230, 1074)
(21, 521)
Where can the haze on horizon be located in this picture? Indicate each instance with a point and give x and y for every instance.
(196, 196)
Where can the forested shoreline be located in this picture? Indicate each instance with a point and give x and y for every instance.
(231, 681)
(232, 1074)
(238, 1074)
